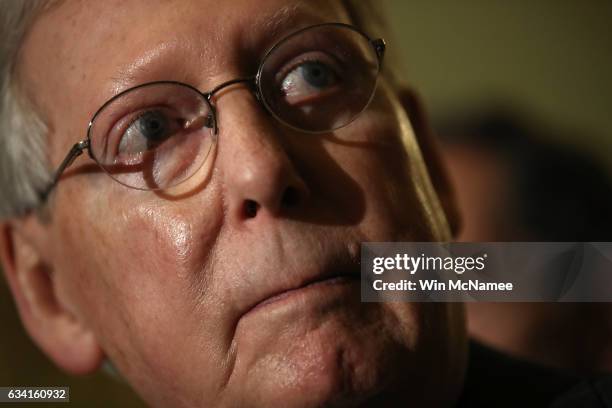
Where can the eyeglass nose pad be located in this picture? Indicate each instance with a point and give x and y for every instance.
(211, 123)
(211, 120)
(257, 94)
(207, 121)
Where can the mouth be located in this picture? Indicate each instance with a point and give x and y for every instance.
(333, 281)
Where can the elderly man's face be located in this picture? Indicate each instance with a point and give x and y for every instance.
(201, 299)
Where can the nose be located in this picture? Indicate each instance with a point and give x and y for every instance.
(259, 167)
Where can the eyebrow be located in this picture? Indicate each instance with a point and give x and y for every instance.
(290, 18)
(270, 28)
(280, 19)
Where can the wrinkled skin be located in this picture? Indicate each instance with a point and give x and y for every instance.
(170, 287)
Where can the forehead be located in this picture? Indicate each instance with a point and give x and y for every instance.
(88, 51)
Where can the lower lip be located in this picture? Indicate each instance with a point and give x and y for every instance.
(312, 287)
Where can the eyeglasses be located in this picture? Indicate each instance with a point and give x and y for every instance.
(157, 135)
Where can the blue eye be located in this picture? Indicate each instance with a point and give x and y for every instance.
(316, 74)
(147, 131)
(153, 126)
(308, 81)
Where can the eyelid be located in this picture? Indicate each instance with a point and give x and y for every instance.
(118, 128)
(290, 66)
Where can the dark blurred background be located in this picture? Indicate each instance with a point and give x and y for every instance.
(487, 70)
(551, 59)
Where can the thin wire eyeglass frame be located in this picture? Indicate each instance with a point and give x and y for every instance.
(378, 45)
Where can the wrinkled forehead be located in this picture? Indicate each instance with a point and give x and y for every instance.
(78, 54)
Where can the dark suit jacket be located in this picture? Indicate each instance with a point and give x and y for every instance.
(496, 380)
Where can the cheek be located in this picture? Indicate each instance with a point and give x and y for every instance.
(134, 241)
(151, 238)
(135, 276)
(385, 163)
(155, 248)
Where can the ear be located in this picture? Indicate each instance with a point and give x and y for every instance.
(431, 154)
(69, 343)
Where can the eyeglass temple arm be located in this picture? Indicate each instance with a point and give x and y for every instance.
(74, 152)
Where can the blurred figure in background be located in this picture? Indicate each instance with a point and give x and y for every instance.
(515, 183)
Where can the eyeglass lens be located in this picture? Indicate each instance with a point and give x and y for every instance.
(154, 136)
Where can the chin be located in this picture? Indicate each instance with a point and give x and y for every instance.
(335, 362)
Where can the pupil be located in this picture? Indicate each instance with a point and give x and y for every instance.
(316, 74)
(153, 125)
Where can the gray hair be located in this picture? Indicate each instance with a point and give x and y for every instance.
(24, 169)
(24, 172)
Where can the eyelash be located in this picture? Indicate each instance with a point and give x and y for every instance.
(118, 129)
(290, 66)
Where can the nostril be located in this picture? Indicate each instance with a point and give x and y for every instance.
(291, 197)
(250, 208)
